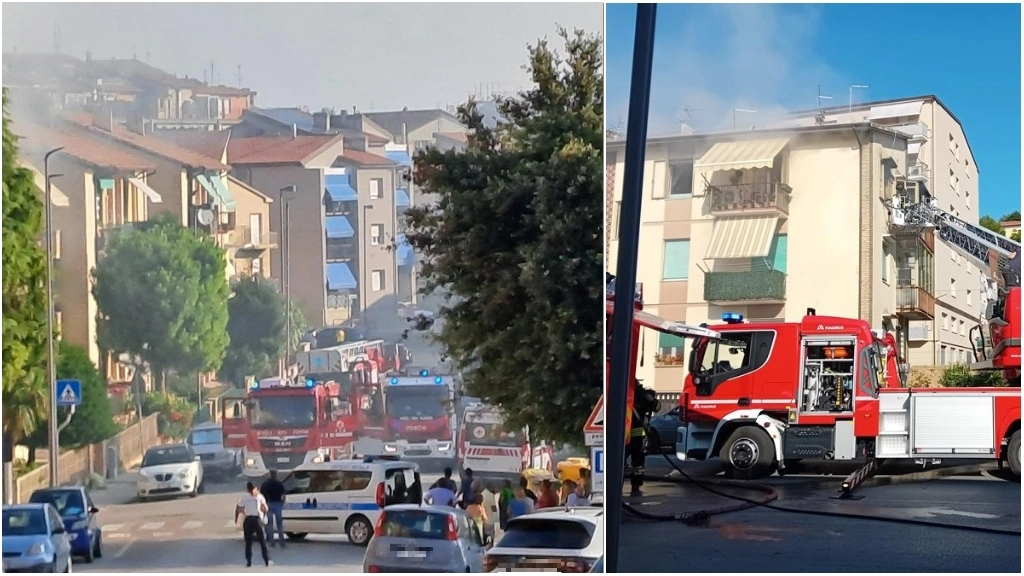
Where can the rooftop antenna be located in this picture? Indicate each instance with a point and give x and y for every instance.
(211, 74)
(56, 39)
(239, 75)
(735, 110)
(820, 118)
(852, 86)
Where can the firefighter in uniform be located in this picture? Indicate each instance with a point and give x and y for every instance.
(643, 405)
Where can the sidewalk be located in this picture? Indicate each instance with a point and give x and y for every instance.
(121, 490)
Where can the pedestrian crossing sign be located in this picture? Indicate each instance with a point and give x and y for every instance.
(69, 392)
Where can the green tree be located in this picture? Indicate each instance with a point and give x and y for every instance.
(1011, 217)
(256, 325)
(25, 351)
(515, 240)
(990, 223)
(1015, 236)
(162, 296)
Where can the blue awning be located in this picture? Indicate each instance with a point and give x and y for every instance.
(218, 193)
(400, 156)
(401, 198)
(338, 227)
(339, 189)
(404, 253)
(339, 277)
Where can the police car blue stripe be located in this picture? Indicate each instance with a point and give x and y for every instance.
(360, 506)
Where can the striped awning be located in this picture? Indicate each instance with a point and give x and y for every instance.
(217, 191)
(748, 237)
(340, 277)
(741, 155)
(153, 195)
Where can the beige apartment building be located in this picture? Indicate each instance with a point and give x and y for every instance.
(770, 222)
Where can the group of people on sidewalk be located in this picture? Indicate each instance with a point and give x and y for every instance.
(261, 510)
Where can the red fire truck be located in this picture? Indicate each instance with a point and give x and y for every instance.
(287, 422)
(764, 396)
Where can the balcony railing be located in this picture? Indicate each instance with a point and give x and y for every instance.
(754, 286)
(340, 250)
(918, 172)
(753, 198)
(339, 301)
(915, 303)
(248, 237)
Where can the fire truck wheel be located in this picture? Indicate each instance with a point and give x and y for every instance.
(359, 531)
(748, 454)
(1013, 454)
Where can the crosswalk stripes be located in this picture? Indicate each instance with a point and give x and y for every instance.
(148, 526)
(158, 529)
(193, 525)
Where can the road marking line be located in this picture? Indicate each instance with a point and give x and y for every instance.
(114, 535)
(230, 524)
(163, 534)
(112, 527)
(152, 526)
(193, 524)
(123, 551)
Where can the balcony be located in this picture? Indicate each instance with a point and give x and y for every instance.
(342, 250)
(915, 303)
(918, 172)
(918, 131)
(770, 198)
(747, 287)
(246, 237)
(343, 301)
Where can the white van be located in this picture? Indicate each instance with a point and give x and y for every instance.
(347, 496)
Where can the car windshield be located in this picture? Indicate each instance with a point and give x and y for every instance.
(68, 502)
(161, 456)
(24, 522)
(416, 402)
(208, 436)
(547, 533)
(718, 356)
(415, 524)
(492, 435)
(284, 411)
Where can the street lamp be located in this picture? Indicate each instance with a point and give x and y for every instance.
(287, 193)
(51, 365)
(363, 263)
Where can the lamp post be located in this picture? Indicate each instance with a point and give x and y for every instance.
(286, 195)
(363, 263)
(51, 365)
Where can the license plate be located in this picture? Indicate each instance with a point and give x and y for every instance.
(412, 554)
(282, 458)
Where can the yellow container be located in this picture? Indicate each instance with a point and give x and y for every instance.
(534, 477)
(569, 469)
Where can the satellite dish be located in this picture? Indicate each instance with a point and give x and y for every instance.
(205, 216)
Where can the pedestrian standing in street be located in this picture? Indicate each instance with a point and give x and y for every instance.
(273, 491)
(505, 498)
(520, 505)
(466, 492)
(548, 498)
(447, 481)
(578, 498)
(478, 514)
(440, 495)
(525, 485)
(490, 504)
(253, 507)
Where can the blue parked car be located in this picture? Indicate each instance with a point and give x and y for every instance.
(35, 539)
(79, 514)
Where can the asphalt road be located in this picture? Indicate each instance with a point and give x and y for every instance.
(759, 540)
(199, 535)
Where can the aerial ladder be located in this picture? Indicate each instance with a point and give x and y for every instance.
(997, 256)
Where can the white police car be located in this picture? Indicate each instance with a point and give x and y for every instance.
(347, 496)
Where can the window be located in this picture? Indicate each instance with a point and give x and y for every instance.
(885, 264)
(402, 486)
(945, 321)
(942, 355)
(377, 280)
(56, 244)
(719, 360)
(963, 328)
(376, 188)
(659, 167)
(954, 182)
(952, 287)
(527, 532)
(671, 349)
(680, 173)
(777, 255)
(970, 298)
(677, 260)
(376, 234)
(307, 481)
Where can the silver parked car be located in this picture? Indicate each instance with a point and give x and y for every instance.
(34, 539)
(207, 442)
(413, 538)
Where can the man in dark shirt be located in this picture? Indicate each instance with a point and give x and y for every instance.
(273, 491)
(466, 491)
(525, 485)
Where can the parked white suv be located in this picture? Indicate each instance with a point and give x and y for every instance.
(550, 539)
(171, 470)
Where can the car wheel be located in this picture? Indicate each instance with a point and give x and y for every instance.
(98, 548)
(89, 555)
(653, 442)
(53, 566)
(194, 492)
(359, 531)
(296, 536)
(1013, 454)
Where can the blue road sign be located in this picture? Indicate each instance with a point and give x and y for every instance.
(598, 463)
(69, 392)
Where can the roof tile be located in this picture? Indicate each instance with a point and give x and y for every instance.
(84, 146)
(276, 149)
(366, 158)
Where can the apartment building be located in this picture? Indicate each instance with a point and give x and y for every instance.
(771, 222)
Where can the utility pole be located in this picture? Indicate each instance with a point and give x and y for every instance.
(286, 195)
(51, 364)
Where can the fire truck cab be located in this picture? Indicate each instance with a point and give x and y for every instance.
(419, 418)
(767, 395)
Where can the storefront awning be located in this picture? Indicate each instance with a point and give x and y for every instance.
(742, 155)
(339, 277)
(339, 189)
(338, 227)
(749, 237)
(153, 196)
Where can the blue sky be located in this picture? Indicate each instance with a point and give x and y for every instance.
(772, 57)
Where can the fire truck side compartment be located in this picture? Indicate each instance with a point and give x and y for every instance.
(953, 425)
(808, 441)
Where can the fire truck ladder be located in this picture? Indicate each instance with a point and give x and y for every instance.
(354, 351)
(972, 242)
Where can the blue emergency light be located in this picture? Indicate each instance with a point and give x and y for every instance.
(310, 383)
(394, 380)
(732, 318)
(424, 373)
(255, 384)
(438, 380)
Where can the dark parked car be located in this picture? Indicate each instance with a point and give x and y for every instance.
(663, 432)
(79, 515)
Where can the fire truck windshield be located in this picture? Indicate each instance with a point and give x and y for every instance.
(416, 402)
(491, 435)
(283, 411)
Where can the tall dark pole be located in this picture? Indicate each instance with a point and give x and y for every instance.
(51, 363)
(625, 275)
(284, 196)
